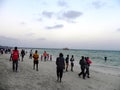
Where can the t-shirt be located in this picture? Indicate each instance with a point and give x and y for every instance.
(35, 56)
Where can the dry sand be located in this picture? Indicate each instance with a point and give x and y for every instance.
(45, 79)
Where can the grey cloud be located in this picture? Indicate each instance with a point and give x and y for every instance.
(62, 3)
(118, 29)
(98, 4)
(41, 39)
(30, 34)
(7, 41)
(71, 14)
(47, 14)
(22, 23)
(55, 26)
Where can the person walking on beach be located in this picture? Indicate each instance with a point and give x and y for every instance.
(60, 66)
(50, 57)
(72, 64)
(88, 66)
(15, 57)
(35, 62)
(67, 62)
(82, 63)
(22, 54)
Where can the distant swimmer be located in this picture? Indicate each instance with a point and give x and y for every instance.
(105, 58)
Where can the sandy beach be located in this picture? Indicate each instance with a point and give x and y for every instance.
(45, 79)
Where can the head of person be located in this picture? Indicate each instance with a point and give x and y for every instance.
(72, 56)
(36, 51)
(15, 48)
(82, 57)
(67, 55)
(60, 55)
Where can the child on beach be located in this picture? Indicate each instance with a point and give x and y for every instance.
(35, 62)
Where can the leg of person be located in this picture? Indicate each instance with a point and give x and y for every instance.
(66, 67)
(13, 66)
(83, 72)
(61, 74)
(36, 65)
(16, 65)
(88, 73)
(58, 74)
(80, 72)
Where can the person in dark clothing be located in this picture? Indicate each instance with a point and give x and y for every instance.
(60, 66)
(82, 63)
(72, 64)
(22, 54)
(67, 62)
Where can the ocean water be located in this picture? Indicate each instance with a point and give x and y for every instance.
(97, 56)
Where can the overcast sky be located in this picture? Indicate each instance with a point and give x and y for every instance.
(77, 24)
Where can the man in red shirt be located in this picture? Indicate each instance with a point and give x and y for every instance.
(15, 57)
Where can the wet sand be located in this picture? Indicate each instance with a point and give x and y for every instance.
(45, 79)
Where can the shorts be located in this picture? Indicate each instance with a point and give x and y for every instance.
(35, 62)
(72, 64)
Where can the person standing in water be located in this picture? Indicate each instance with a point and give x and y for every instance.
(67, 62)
(72, 64)
(31, 54)
(105, 58)
(45, 55)
(22, 54)
(35, 62)
(60, 66)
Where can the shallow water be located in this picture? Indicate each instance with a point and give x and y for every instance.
(97, 56)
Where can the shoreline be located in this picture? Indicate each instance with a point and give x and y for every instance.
(45, 79)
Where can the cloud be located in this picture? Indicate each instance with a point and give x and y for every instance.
(62, 3)
(30, 34)
(23, 23)
(8, 41)
(118, 29)
(41, 39)
(47, 14)
(55, 26)
(71, 14)
(98, 4)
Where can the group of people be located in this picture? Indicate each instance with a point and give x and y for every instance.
(45, 56)
(61, 63)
